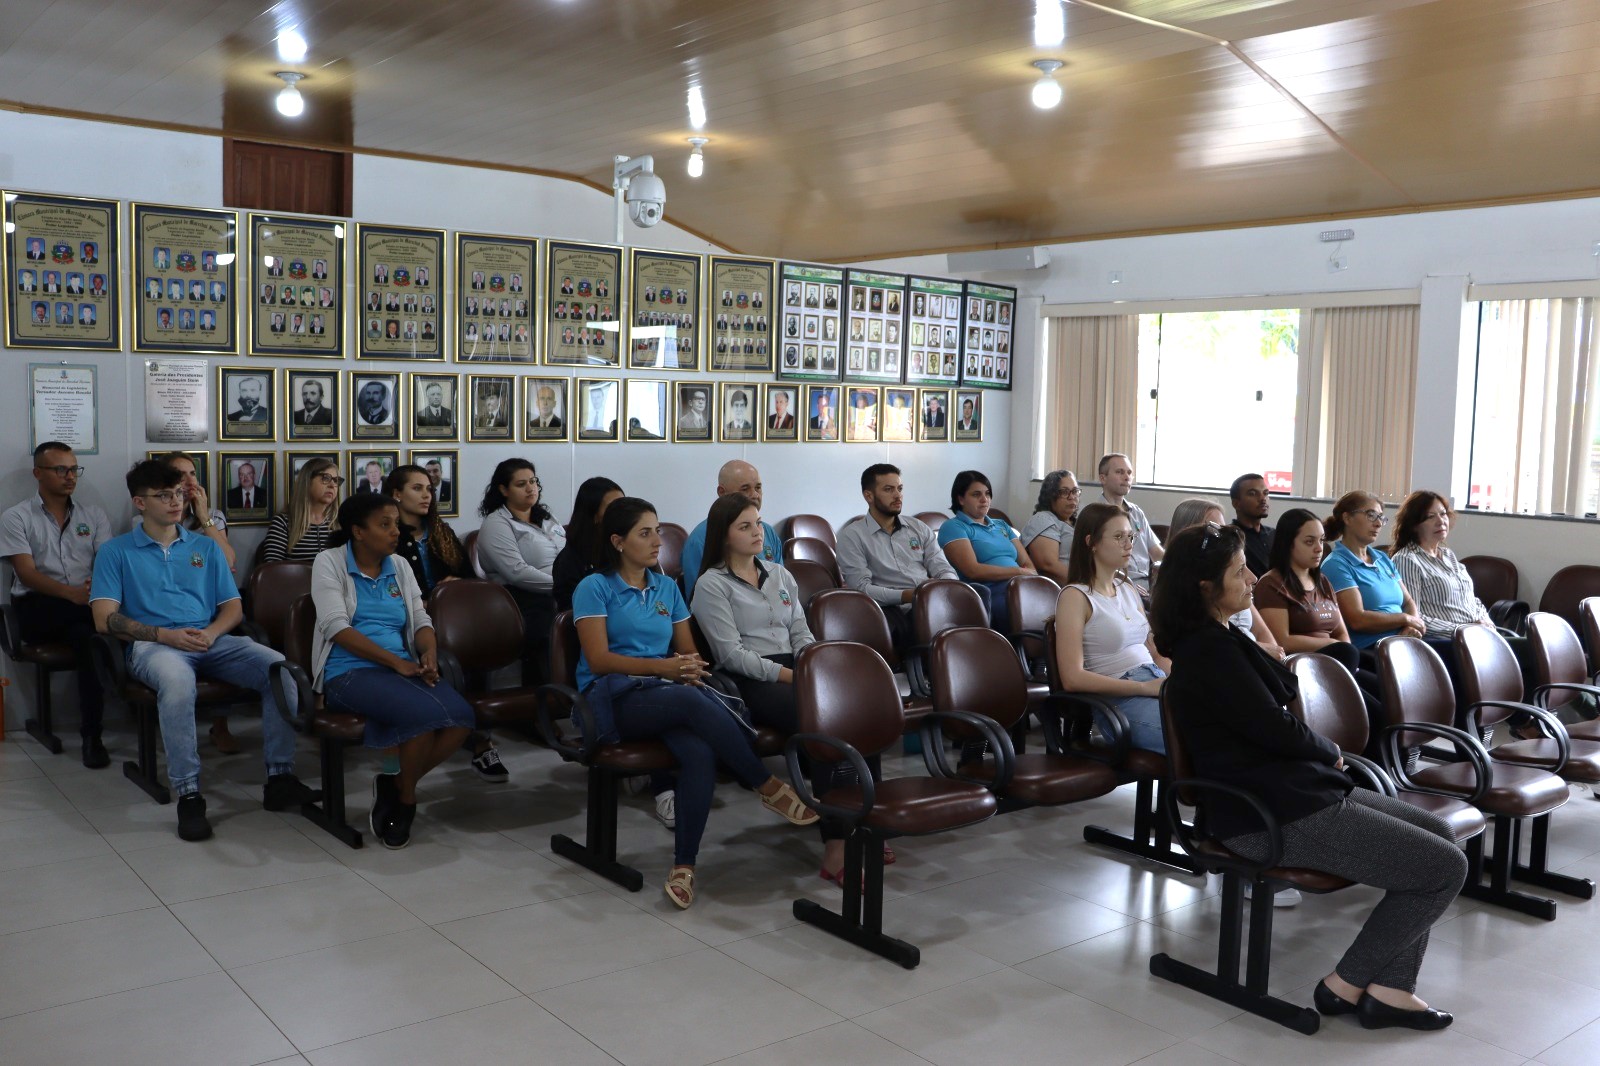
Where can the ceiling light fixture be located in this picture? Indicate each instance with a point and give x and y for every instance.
(290, 103)
(292, 46)
(697, 108)
(1047, 91)
(697, 156)
(1049, 23)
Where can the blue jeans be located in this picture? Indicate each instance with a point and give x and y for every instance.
(171, 673)
(396, 708)
(1143, 712)
(993, 595)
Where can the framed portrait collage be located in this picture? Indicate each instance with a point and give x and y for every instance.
(990, 315)
(185, 270)
(400, 273)
(813, 297)
(496, 317)
(875, 347)
(297, 286)
(60, 260)
(933, 331)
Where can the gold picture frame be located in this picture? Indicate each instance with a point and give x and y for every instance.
(973, 433)
(823, 407)
(186, 261)
(738, 406)
(647, 409)
(53, 249)
(599, 406)
(312, 423)
(376, 403)
(493, 407)
(358, 474)
(694, 412)
(738, 314)
(400, 276)
(780, 412)
(664, 291)
(231, 494)
(447, 486)
(861, 419)
(302, 259)
(504, 270)
(933, 425)
(247, 404)
(430, 422)
(583, 289)
(546, 427)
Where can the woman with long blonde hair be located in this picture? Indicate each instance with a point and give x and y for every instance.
(301, 532)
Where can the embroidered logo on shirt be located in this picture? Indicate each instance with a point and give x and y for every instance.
(661, 609)
(394, 590)
(197, 561)
(83, 529)
(916, 545)
(766, 553)
(783, 594)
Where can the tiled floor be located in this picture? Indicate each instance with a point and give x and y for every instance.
(274, 943)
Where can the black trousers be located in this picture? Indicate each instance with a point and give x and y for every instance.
(50, 618)
(538, 616)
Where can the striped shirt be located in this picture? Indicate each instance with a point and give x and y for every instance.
(275, 548)
(1442, 589)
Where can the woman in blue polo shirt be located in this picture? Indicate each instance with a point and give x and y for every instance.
(1371, 597)
(986, 553)
(642, 678)
(373, 654)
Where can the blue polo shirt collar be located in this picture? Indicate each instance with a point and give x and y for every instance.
(143, 539)
(353, 567)
(652, 582)
(962, 516)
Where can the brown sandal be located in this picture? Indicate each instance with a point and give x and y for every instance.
(680, 887)
(786, 803)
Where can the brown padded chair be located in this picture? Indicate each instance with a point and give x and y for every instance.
(1330, 704)
(845, 614)
(812, 579)
(849, 711)
(932, 519)
(812, 550)
(478, 627)
(1566, 589)
(270, 592)
(810, 525)
(1420, 704)
(1160, 529)
(673, 538)
(1493, 578)
(470, 546)
(766, 740)
(334, 731)
(999, 515)
(976, 670)
(1491, 684)
(1560, 671)
(47, 657)
(607, 764)
(1265, 877)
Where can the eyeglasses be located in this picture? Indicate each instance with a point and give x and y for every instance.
(1067, 494)
(1124, 538)
(63, 471)
(168, 497)
(1377, 516)
(330, 479)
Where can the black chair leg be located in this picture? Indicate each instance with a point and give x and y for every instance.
(1152, 837)
(860, 917)
(329, 815)
(599, 853)
(1224, 984)
(1499, 891)
(1536, 871)
(143, 772)
(40, 728)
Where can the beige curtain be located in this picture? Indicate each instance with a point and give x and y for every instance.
(1358, 374)
(1091, 397)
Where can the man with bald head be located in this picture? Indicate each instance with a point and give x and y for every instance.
(735, 476)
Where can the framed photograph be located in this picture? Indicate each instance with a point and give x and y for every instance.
(991, 314)
(368, 469)
(312, 398)
(780, 412)
(932, 352)
(497, 286)
(811, 301)
(899, 416)
(198, 250)
(434, 406)
(494, 401)
(861, 418)
(933, 418)
(400, 275)
(375, 405)
(877, 315)
(442, 467)
(293, 461)
(599, 409)
(663, 310)
(60, 263)
(692, 412)
(582, 291)
(822, 413)
(647, 410)
(738, 314)
(296, 286)
(969, 416)
(245, 487)
(546, 409)
(202, 467)
(737, 411)
(247, 404)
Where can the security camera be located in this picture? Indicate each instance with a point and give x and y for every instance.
(647, 199)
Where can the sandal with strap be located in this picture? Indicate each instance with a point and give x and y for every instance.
(680, 887)
(786, 803)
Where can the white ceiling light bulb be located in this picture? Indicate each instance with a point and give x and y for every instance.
(697, 157)
(290, 103)
(697, 108)
(1049, 23)
(292, 46)
(1047, 91)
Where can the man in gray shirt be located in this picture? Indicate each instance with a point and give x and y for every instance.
(1116, 481)
(889, 554)
(50, 539)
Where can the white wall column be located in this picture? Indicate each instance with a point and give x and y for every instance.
(1441, 439)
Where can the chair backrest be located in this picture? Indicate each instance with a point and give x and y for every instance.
(673, 538)
(1589, 621)
(272, 590)
(974, 669)
(564, 650)
(299, 624)
(470, 545)
(1160, 529)
(942, 604)
(1031, 600)
(1330, 701)
(932, 519)
(478, 622)
(812, 578)
(1569, 586)
(999, 515)
(847, 691)
(1179, 765)
(1557, 656)
(845, 614)
(810, 525)
(812, 550)
(1493, 578)
(1052, 667)
(1488, 670)
(1416, 686)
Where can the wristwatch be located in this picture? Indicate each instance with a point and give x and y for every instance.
(208, 523)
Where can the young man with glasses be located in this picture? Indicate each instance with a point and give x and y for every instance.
(50, 540)
(1251, 507)
(1116, 481)
(167, 592)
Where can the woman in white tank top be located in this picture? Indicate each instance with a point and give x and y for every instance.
(1103, 643)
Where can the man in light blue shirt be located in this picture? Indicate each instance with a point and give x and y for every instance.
(735, 476)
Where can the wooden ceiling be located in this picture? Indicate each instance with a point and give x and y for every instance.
(853, 129)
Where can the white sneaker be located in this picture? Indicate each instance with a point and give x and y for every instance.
(1283, 897)
(667, 808)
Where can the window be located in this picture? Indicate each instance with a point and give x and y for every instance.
(1217, 395)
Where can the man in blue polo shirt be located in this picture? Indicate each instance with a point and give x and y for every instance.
(735, 476)
(168, 593)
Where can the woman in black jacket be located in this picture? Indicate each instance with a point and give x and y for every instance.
(1229, 701)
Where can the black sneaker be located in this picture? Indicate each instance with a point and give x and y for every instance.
(284, 792)
(489, 766)
(95, 756)
(192, 823)
(397, 830)
(385, 793)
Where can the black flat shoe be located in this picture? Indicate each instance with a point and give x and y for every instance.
(1374, 1015)
(1329, 1002)
(95, 756)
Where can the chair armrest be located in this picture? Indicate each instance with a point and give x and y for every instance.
(937, 761)
(802, 786)
(915, 660)
(1188, 836)
(10, 630)
(1081, 708)
(252, 631)
(305, 698)
(1548, 723)
(1361, 767)
(110, 662)
(1466, 745)
(450, 669)
(552, 697)
(1540, 693)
